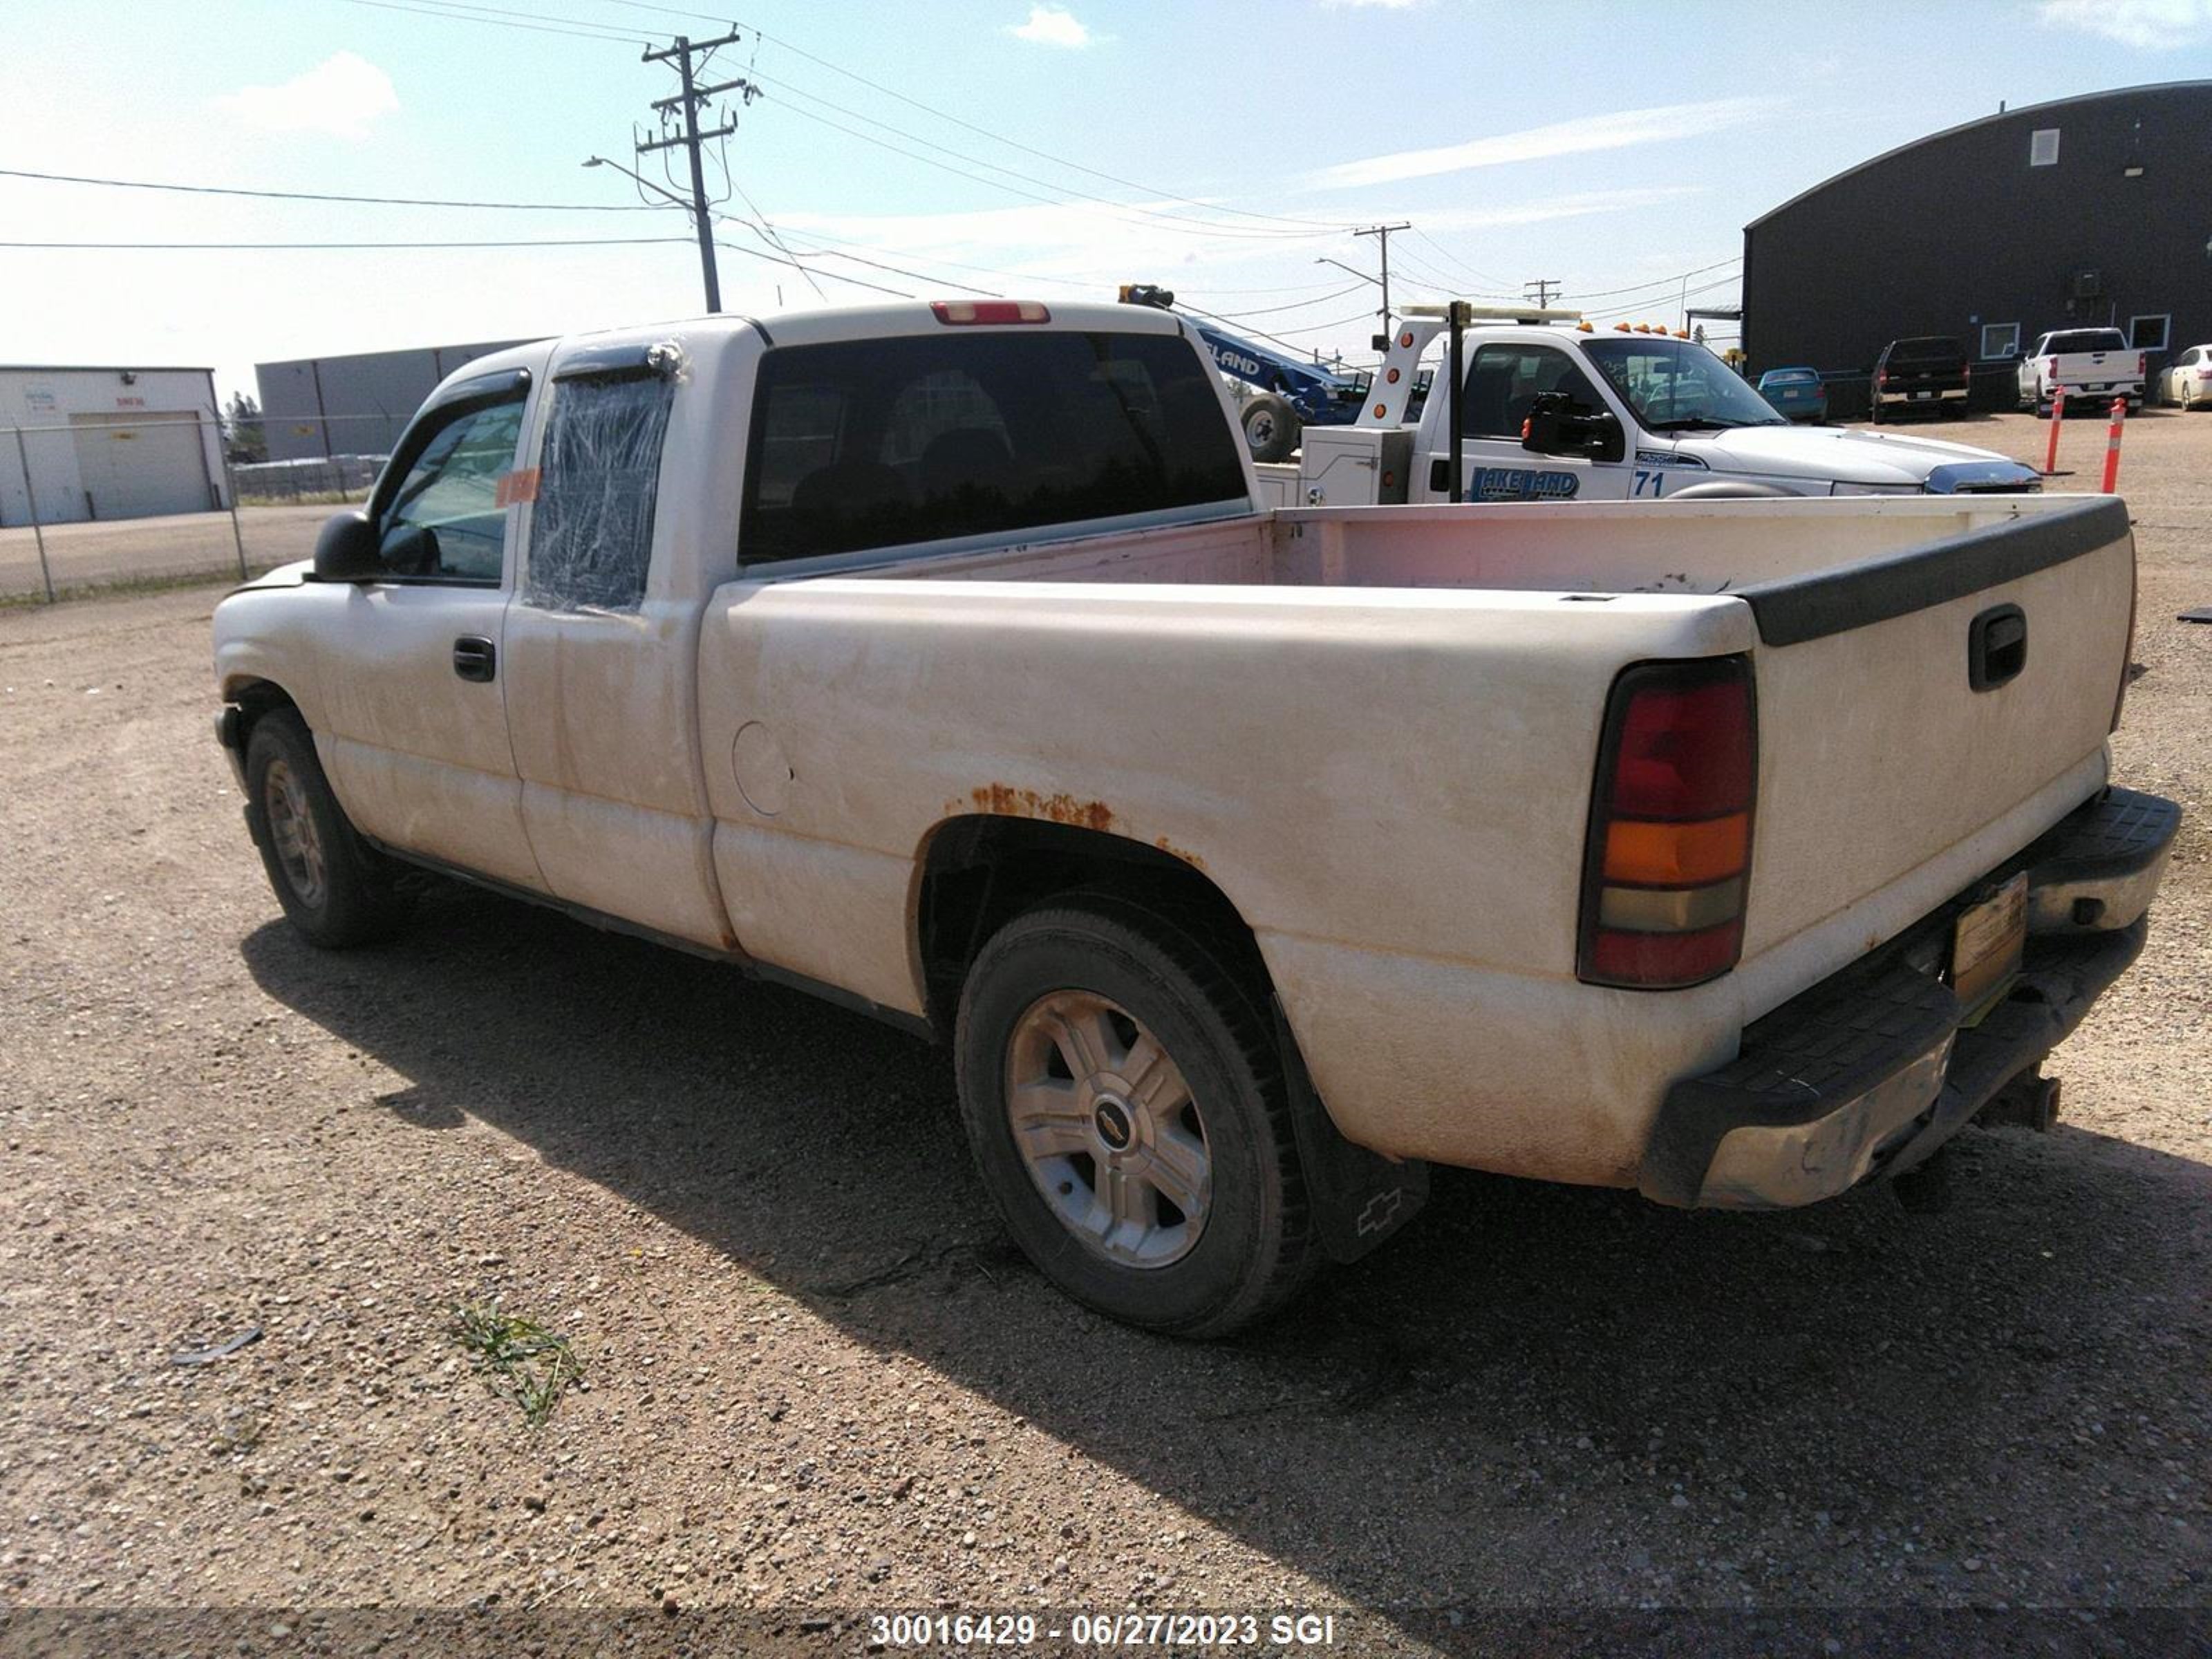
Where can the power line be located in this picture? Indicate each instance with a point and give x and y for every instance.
(1030, 150)
(326, 195)
(525, 241)
(509, 21)
(1152, 219)
(834, 276)
(1661, 282)
(761, 231)
(1302, 305)
(463, 11)
(1497, 282)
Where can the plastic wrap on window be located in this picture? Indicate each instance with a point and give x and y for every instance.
(591, 536)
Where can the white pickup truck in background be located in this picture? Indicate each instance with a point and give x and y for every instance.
(2091, 365)
(941, 660)
(1636, 415)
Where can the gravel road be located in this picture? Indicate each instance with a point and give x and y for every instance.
(815, 1375)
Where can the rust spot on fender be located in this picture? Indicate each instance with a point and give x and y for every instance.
(1008, 801)
(1174, 851)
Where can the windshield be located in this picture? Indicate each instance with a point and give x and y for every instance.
(1927, 351)
(1678, 385)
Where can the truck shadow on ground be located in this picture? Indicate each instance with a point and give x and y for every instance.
(1569, 1391)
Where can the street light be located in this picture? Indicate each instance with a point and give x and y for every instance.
(1340, 266)
(602, 161)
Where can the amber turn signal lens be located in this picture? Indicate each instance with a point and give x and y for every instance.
(1676, 855)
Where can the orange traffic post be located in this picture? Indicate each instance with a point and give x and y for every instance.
(2112, 445)
(2057, 414)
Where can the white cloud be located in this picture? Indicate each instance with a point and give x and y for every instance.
(2152, 25)
(1581, 205)
(1053, 26)
(343, 96)
(1377, 5)
(1620, 130)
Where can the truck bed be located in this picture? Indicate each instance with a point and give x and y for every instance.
(1581, 548)
(1296, 703)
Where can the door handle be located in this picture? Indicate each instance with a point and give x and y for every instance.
(474, 657)
(1996, 646)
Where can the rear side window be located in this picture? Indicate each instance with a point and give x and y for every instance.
(591, 534)
(884, 443)
(1930, 350)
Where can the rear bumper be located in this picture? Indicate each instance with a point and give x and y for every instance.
(1870, 1072)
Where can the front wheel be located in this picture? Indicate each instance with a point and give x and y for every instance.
(1125, 1105)
(336, 890)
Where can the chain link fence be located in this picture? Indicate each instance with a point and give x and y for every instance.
(100, 502)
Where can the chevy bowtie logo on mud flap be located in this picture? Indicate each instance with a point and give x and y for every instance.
(1521, 484)
(1379, 1212)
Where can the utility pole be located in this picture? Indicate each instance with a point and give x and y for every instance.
(1381, 234)
(1543, 290)
(687, 103)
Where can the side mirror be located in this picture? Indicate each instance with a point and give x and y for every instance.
(346, 551)
(1552, 429)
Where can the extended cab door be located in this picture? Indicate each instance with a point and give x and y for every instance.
(413, 732)
(603, 640)
(1503, 378)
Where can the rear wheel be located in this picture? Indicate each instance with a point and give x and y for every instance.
(335, 889)
(1125, 1105)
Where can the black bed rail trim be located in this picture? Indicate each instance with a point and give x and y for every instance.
(1799, 608)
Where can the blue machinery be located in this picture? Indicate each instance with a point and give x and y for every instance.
(1290, 392)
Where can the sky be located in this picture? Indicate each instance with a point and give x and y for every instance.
(1037, 150)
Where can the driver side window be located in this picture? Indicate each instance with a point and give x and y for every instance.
(446, 521)
(1504, 380)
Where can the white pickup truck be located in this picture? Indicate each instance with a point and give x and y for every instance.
(2090, 366)
(1632, 415)
(939, 659)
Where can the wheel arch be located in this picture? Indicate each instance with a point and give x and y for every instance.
(977, 871)
(255, 696)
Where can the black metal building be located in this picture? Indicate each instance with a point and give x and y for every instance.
(2088, 211)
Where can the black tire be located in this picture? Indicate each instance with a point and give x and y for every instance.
(336, 890)
(1255, 1247)
(1271, 428)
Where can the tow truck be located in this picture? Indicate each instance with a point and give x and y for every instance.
(1542, 406)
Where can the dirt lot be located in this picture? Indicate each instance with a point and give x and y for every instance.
(815, 1377)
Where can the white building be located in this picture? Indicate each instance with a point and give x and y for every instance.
(108, 443)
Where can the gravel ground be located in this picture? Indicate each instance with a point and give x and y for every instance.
(817, 1377)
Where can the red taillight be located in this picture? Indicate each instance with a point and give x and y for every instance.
(990, 311)
(1669, 850)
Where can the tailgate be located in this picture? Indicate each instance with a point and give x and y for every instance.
(1908, 703)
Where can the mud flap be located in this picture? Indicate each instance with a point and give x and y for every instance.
(1359, 1198)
